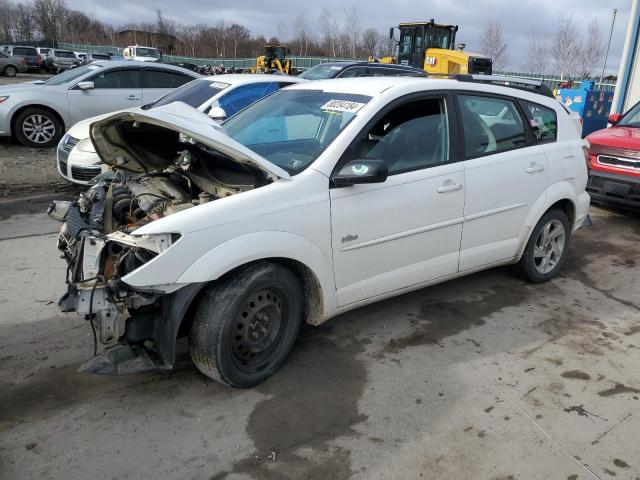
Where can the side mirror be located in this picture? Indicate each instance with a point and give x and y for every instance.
(614, 118)
(85, 85)
(218, 114)
(365, 170)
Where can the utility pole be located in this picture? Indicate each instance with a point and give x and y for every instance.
(606, 55)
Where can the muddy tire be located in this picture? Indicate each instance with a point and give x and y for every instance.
(38, 127)
(245, 326)
(547, 248)
(10, 71)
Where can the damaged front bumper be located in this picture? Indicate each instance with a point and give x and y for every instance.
(138, 327)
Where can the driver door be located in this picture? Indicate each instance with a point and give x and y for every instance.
(405, 231)
(115, 89)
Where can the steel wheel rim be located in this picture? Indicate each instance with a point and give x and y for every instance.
(549, 246)
(38, 128)
(257, 329)
(11, 71)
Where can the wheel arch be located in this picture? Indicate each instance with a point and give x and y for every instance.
(560, 195)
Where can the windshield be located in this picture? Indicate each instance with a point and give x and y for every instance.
(291, 128)
(193, 93)
(146, 52)
(321, 72)
(72, 74)
(631, 118)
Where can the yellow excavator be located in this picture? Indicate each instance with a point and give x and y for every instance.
(432, 47)
(274, 58)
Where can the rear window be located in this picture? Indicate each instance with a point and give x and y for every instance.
(100, 56)
(544, 122)
(193, 93)
(64, 54)
(25, 51)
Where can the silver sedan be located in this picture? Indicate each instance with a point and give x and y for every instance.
(39, 113)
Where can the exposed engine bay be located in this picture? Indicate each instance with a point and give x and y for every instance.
(157, 172)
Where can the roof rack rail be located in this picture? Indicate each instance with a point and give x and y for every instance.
(534, 86)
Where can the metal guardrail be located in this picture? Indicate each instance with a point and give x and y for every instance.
(554, 81)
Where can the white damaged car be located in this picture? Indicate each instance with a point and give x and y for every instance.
(320, 198)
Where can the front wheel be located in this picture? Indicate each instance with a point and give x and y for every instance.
(10, 71)
(547, 248)
(37, 127)
(246, 325)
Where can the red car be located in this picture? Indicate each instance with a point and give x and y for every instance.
(614, 161)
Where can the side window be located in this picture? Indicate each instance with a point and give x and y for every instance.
(162, 79)
(245, 95)
(412, 136)
(128, 78)
(354, 72)
(544, 122)
(276, 129)
(490, 125)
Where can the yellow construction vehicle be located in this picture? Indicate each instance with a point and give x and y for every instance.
(274, 58)
(432, 47)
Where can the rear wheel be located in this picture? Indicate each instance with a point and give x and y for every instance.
(37, 127)
(10, 71)
(547, 248)
(245, 326)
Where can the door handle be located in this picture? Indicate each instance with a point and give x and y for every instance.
(132, 97)
(535, 168)
(450, 187)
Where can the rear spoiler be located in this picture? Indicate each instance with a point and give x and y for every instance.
(533, 86)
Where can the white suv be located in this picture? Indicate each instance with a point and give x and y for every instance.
(318, 199)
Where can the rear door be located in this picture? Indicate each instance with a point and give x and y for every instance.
(156, 82)
(506, 173)
(114, 89)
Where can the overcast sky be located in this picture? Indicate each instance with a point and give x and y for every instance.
(267, 17)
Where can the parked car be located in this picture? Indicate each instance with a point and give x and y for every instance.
(58, 60)
(78, 161)
(189, 66)
(11, 66)
(320, 198)
(29, 54)
(359, 69)
(142, 54)
(42, 51)
(80, 56)
(38, 114)
(614, 161)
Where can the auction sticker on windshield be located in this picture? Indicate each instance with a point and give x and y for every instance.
(219, 85)
(342, 106)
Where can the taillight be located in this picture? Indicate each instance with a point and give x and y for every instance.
(23, 60)
(587, 154)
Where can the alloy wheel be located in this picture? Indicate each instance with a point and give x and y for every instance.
(549, 246)
(38, 128)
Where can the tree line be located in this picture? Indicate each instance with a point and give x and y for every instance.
(567, 51)
(340, 35)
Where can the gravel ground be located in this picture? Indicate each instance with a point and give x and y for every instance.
(23, 169)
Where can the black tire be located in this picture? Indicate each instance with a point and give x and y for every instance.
(51, 122)
(10, 71)
(245, 326)
(530, 265)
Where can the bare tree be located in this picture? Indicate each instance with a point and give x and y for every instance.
(304, 34)
(49, 15)
(370, 42)
(536, 59)
(565, 48)
(494, 46)
(351, 30)
(330, 31)
(591, 51)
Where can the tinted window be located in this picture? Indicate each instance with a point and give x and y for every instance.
(354, 72)
(490, 125)
(414, 135)
(193, 93)
(72, 74)
(544, 122)
(244, 95)
(321, 71)
(100, 56)
(64, 54)
(25, 51)
(164, 79)
(128, 78)
(631, 118)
